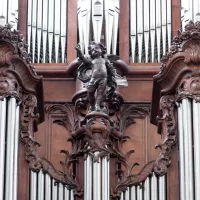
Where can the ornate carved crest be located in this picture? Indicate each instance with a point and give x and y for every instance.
(191, 32)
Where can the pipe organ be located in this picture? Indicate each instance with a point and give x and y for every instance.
(57, 145)
(42, 186)
(9, 13)
(9, 126)
(47, 30)
(190, 10)
(96, 179)
(152, 188)
(179, 107)
(150, 30)
(92, 15)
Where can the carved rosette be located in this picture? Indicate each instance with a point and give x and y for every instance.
(167, 119)
(189, 87)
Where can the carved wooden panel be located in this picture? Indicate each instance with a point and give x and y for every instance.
(54, 133)
(143, 135)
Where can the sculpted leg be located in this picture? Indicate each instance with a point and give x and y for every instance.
(101, 94)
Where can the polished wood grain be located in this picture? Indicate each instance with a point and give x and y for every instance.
(176, 16)
(124, 31)
(23, 18)
(71, 30)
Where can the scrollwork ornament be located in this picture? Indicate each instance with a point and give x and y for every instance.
(28, 116)
(167, 119)
(189, 87)
(9, 86)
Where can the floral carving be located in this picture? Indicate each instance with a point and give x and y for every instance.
(16, 39)
(167, 119)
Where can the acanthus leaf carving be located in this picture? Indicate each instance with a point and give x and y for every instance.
(69, 118)
(129, 113)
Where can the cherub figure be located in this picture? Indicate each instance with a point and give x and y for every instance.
(102, 75)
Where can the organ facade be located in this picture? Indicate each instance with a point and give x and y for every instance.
(141, 141)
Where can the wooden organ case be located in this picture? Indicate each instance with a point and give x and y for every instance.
(64, 154)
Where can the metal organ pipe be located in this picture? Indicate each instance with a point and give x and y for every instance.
(181, 152)
(44, 21)
(196, 128)
(151, 23)
(153, 188)
(16, 145)
(43, 187)
(2, 144)
(190, 10)
(9, 13)
(187, 132)
(96, 11)
(10, 142)
(96, 179)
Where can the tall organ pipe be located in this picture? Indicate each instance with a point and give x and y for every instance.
(2, 144)
(196, 128)
(187, 129)
(9, 187)
(16, 145)
(181, 152)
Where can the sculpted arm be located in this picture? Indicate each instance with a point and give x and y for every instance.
(81, 55)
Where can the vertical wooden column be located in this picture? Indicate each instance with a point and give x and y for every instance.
(71, 30)
(23, 175)
(173, 177)
(22, 17)
(124, 30)
(176, 16)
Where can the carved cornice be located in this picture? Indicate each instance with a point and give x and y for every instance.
(167, 119)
